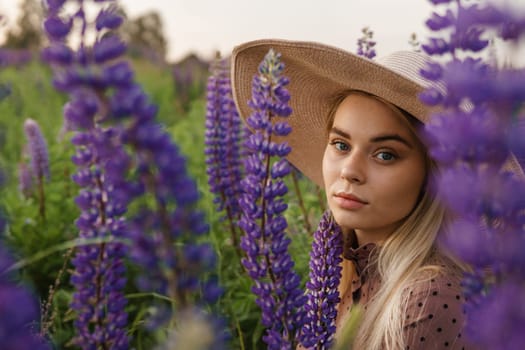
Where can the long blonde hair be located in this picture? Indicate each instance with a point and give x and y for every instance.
(401, 259)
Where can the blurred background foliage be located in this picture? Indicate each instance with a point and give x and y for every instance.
(43, 246)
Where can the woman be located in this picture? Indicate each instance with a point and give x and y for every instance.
(356, 131)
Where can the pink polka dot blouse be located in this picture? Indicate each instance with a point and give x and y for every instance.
(434, 317)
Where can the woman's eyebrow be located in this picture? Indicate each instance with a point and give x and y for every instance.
(339, 132)
(391, 137)
(376, 139)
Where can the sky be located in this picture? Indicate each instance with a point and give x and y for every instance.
(206, 26)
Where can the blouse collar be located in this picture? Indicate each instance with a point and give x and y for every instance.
(361, 256)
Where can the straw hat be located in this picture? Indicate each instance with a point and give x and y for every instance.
(317, 74)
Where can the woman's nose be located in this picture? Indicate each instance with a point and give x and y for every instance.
(353, 169)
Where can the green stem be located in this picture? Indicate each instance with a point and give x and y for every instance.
(41, 199)
(295, 181)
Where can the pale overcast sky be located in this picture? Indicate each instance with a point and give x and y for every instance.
(204, 26)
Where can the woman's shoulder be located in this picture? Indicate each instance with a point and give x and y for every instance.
(435, 306)
(437, 283)
(439, 269)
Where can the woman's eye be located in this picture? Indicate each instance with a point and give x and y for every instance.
(386, 156)
(340, 146)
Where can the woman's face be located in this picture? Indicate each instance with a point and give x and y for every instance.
(373, 168)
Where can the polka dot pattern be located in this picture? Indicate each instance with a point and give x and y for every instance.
(434, 316)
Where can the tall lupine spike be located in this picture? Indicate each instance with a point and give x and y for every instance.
(366, 44)
(38, 154)
(25, 180)
(322, 289)
(136, 160)
(99, 276)
(474, 139)
(37, 149)
(265, 243)
(223, 146)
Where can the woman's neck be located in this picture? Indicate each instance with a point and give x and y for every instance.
(363, 237)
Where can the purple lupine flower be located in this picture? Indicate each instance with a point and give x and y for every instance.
(183, 80)
(37, 150)
(223, 145)
(125, 155)
(474, 139)
(57, 28)
(108, 18)
(507, 315)
(108, 48)
(25, 180)
(54, 5)
(365, 44)
(99, 275)
(265, 243)
(165, 236)
(322, 289)
(15, 57)
(438, 22)
(39, 158)
(19, 312)
(481, 131)
(58, 53)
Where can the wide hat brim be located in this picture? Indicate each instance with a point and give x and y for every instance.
(317, 74)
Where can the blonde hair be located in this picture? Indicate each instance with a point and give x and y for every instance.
(400, 261)
(402, 258)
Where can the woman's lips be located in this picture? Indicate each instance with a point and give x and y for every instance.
(349, 201)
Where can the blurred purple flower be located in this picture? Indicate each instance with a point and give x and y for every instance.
(474, 139)
(14, 57)
(436, 46)
(54, 5)
(469, 240)
(438, 22)
(482, 134)
(223, 146)
(466, 79)
(322, 289)
(25, 180)
(108, 48)
(124, 154)
(119, 74)
(37, 150)
(267, 260)
(517, 141)
(499, 316)
(438, 2)
(58, 53)
(365, 44)
(57, 28)
(108, 19)
(80, 111)
(19, 312)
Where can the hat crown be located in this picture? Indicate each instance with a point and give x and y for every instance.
(407, 64)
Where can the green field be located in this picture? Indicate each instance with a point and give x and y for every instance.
(43, 245)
